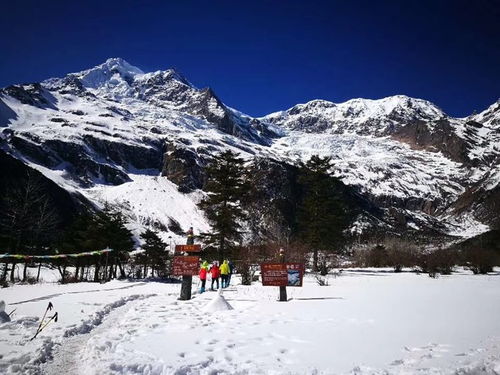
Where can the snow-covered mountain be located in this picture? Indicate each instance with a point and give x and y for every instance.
(356, 116)
(140, 141)
(406, 155)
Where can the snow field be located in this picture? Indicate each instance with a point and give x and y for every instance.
(366, 322)
(81, 307)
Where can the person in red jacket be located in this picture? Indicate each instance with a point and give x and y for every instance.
(215, 272)
(203, 275)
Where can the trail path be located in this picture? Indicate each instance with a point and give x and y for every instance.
(50, 296)
(67, 355)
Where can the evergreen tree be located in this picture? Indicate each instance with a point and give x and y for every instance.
(82, 235)
(321, 217)
(116, 234)
(97, 231)
(155, 252)
(226, 187)
(111, 225)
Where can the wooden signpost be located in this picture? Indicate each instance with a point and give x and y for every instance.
(185, 265)
(282, 274)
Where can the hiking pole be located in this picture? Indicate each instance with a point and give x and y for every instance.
(52, 318)
(49, 307)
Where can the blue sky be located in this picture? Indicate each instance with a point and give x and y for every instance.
(265, 56)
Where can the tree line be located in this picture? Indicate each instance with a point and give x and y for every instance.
(253, 213)
(31, 225)
(238, 217)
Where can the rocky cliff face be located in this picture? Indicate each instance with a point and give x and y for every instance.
(15, 174)
(102, 130)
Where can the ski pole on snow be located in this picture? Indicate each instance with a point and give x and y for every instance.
(12, 312)
(52, 318)
(49, 307)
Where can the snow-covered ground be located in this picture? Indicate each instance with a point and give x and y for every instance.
(364, 322)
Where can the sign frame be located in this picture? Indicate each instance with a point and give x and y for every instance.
(280, 274)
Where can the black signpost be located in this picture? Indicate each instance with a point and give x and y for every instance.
(186, 265)
(186, 288)
(283, 296)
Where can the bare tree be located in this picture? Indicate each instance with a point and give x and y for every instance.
(28, 219)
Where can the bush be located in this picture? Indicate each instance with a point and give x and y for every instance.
(71, 278)
(244, 258)
(247, 273)
(376, 256)
(480, 261)
(326, 262)
(322, 280)
(392, 252)
(400, 253)
(441, 261)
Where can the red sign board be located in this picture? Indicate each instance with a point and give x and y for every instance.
(185, 265)
(282, 274)
(187, 249)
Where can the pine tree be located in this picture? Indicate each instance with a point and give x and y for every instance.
(81, 236)
(321, 217)
(225, 188)
(116, 235)
(154, 249)
(97, 231)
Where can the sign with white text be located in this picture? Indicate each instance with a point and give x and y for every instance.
(185, 265)
(282, 274)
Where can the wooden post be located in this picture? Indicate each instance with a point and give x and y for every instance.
(38, 273)
(283, 296)
(187, 282)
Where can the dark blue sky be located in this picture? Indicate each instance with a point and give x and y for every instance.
(264, 56)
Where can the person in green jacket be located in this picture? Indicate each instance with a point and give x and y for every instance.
(224, 273)
(203, 275)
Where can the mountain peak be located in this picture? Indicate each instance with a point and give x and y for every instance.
(116, 69)
(119, 64)
(175, 74)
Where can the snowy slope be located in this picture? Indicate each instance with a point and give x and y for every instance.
(111, 130)
(152, 201)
